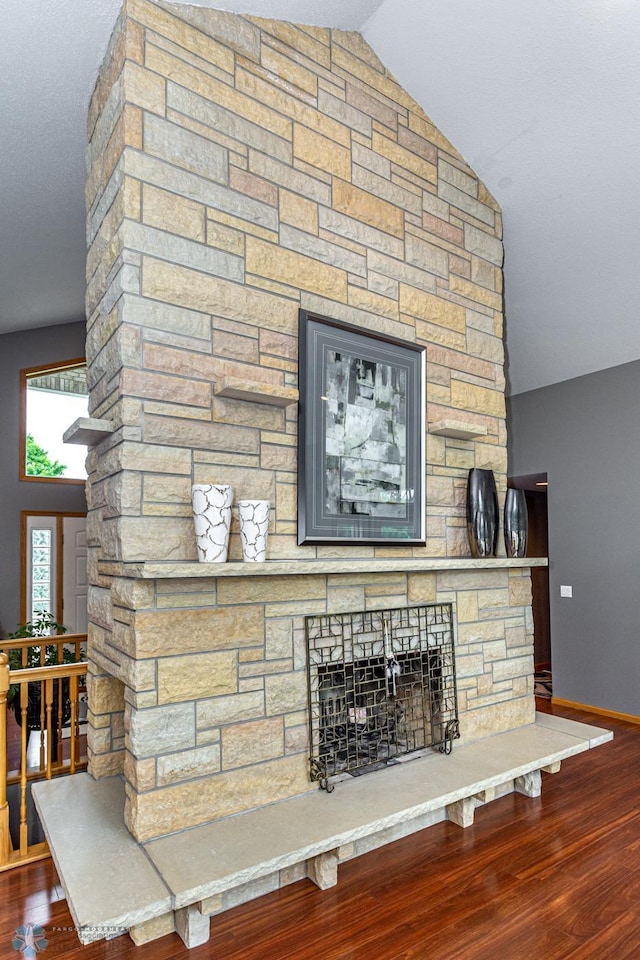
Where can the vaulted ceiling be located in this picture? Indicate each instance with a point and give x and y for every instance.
(542, 99)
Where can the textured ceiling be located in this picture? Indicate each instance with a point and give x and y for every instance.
(542, 98)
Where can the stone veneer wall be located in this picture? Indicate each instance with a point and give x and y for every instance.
(239, 169)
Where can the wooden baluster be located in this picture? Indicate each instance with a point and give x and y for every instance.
(5, 839)
(43, 739)
(73, 723)
(24, 742)
(48, 697)
(59, 720)
(77, 734)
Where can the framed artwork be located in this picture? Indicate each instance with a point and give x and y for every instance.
(361, 436)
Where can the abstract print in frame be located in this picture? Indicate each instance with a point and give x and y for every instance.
(361, 436)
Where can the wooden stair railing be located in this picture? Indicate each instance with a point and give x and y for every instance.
(5, 838)
(47, 650)
(46, 705)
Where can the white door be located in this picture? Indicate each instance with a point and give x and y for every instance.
(74, 574)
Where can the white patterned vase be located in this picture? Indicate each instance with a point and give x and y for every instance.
(212, 519)
(254, 528)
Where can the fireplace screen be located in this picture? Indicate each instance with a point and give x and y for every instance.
(381, 685)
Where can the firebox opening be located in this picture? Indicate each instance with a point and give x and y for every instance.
(381, 686)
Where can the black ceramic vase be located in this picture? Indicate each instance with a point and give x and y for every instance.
(482, 513)
(516, 523)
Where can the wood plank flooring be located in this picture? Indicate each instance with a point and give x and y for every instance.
(553, 877)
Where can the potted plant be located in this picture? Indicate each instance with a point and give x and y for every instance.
(42, 625)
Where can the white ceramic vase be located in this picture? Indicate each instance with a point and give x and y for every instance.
(212, 519)
(254, 528)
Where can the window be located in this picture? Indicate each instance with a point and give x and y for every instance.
(41, 592)
(54, 568)
(52, 398)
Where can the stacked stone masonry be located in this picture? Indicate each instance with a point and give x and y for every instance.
(238, 170)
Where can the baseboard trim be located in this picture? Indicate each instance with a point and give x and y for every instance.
(615, 714)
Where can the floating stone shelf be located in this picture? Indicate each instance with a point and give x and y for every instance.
(458, 429)
(257, 391)
(87, 431)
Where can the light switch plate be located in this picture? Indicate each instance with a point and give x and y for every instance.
(566, 591)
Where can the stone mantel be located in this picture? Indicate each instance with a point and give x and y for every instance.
(323, 567)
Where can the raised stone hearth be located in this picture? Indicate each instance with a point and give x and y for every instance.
(180, 881)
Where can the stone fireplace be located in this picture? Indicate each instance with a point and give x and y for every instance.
(239, 170)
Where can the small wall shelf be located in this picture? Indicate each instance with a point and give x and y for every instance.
(256, 391)
(458, 429)
(87, 431)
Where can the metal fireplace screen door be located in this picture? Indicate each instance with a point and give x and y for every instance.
(381, 685)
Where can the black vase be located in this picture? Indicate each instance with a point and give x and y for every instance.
(516, 523)
(482, 513)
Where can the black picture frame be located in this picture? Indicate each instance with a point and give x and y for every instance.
(361, 439)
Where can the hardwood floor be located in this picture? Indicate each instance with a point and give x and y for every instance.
(553, 877)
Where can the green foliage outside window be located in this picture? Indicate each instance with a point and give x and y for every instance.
(39, 463)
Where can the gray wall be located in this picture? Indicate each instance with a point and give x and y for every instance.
(585, 434)
(17, 350)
